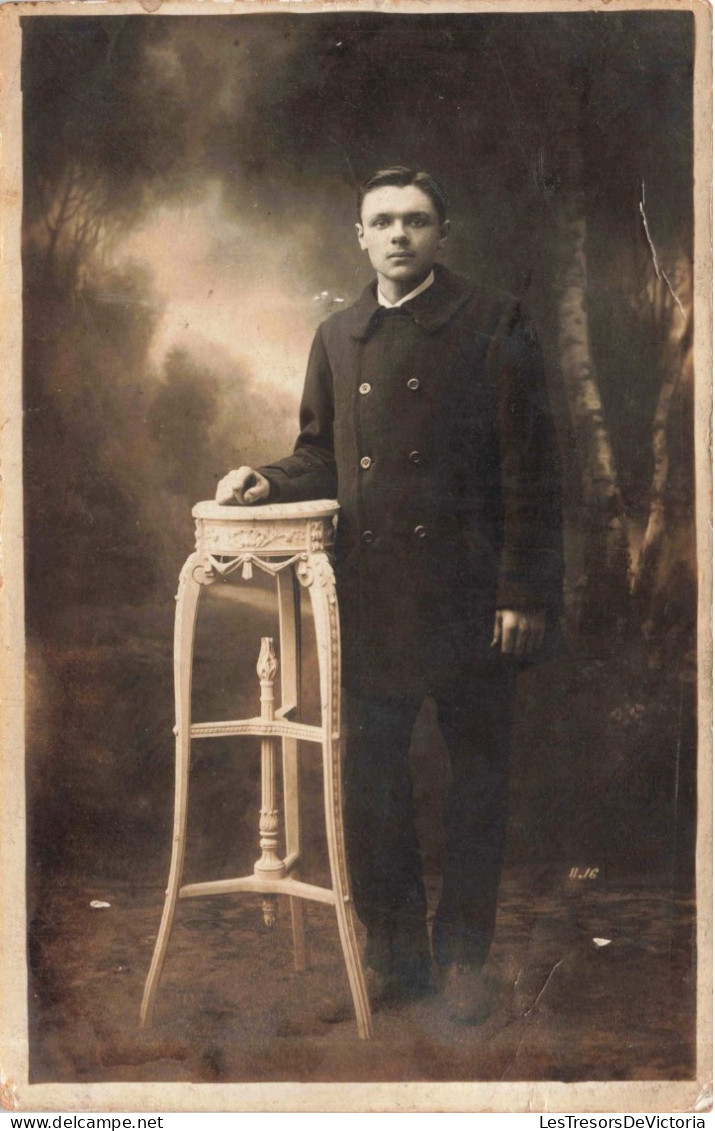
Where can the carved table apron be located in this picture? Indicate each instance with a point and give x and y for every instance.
(291, 542)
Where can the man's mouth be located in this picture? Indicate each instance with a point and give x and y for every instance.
(401, 255)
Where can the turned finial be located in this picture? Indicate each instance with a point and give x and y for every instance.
(267, 665)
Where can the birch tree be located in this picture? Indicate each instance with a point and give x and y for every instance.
(606, 554)
(669, 531)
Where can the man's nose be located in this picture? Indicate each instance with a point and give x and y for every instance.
(399, 233)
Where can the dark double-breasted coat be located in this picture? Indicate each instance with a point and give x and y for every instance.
(431, 424)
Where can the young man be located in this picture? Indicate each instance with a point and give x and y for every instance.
(425, 412)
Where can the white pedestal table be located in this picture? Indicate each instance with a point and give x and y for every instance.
(291, 542)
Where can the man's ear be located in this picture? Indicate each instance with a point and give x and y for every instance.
(443, 233)
(361, 236)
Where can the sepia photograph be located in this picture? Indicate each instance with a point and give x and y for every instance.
(356, 556)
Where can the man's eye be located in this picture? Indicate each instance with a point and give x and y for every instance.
(418, 222)
(380, 224)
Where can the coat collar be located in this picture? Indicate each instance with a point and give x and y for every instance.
(432, 309)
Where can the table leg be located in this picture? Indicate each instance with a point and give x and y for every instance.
(190, 584)
(290, 641)
(321, 583)
(270, 864)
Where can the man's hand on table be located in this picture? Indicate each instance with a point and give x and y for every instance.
(243, 486)
(519, 633)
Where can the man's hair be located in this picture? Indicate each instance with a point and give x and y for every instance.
(401, 176)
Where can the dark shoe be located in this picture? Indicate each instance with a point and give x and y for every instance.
(411, 965)
(380, 992)
(407, 993)
(467, 994)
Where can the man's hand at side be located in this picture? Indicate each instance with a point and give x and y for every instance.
(243, 486)
(519, 633)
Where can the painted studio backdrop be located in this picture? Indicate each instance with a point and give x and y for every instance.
(188, 221)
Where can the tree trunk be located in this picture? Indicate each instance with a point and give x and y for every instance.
(667, 557)
(605, 583)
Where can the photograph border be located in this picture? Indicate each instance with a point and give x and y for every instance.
(533, 1096)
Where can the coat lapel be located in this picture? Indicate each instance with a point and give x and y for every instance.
(432, 309)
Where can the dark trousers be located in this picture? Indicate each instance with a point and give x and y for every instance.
(475, 711)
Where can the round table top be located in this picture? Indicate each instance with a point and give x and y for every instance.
(269, 512)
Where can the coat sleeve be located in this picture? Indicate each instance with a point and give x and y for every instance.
(531, 566)
(309, 473)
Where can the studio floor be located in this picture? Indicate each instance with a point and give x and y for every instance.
(231, 1008)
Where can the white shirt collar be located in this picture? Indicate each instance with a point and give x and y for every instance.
(413, 294)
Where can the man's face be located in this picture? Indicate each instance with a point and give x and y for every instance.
(402, 235)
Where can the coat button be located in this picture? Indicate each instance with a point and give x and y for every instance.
(365, 388)
(365, 462)
(415, 457)
(367, 536)
(419, 532)
(413, 383)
